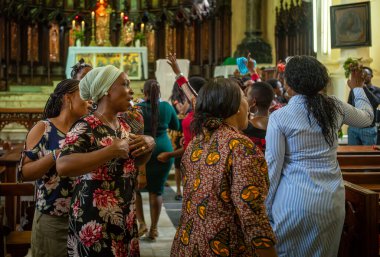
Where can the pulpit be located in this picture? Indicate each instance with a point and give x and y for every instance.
(132, 60)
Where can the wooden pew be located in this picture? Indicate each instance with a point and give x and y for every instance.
(357, 150)
(360, 235)
(359, 162)
(368, 180)
(17, 242)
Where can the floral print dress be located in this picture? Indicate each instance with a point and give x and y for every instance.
(225, 185)
(102, 219)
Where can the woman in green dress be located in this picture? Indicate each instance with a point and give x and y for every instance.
(158, 117)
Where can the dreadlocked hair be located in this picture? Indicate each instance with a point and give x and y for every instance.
(307, 76)
(152, 90)
(217, 100)
(78, 67)
(54, 104)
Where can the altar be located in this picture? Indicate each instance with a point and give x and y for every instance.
(132, 60)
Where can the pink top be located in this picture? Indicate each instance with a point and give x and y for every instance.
(186, 128)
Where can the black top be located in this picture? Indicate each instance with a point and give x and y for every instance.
(373, 95)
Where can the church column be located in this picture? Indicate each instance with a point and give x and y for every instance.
(253, 19)
(253, 42)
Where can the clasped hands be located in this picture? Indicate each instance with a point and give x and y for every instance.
(136, 145)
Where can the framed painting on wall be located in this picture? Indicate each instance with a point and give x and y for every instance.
(350, 25)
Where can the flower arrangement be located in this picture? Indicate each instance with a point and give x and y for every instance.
(78, 34)
(351, 64)
(139, 36)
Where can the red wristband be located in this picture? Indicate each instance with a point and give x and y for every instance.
(181, 80)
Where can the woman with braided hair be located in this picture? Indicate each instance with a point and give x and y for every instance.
(43, 145)
(225, 181)
(80, 70)
(158, 117)
(305, 202)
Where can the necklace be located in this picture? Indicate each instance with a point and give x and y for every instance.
(108, 123)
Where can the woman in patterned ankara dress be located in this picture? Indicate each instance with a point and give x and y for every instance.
(102, 153)
(43, 144)
(225, 181)
(305, 202)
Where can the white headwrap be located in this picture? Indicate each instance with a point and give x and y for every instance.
(97, 82)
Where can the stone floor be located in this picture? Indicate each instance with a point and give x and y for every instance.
(161, 247)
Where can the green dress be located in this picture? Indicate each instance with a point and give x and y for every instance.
(157, 172)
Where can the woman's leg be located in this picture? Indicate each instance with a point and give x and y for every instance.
(178, 180)
(155, 202)
(140, 214)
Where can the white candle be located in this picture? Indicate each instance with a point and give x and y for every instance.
(82, 26)
(92, 15)
(142, 27)
(122, 15)
(132, 25)
(73, 24)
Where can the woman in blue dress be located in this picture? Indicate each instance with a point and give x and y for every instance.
(305, 203)
(158, 117)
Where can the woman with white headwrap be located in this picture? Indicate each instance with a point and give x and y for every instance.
(102, 153)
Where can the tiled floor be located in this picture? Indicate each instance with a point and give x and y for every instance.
(161, 247)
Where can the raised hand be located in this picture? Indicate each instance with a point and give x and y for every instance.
(250, 64)
(172, 61)
(357, 78)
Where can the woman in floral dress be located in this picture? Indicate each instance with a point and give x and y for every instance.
(225, 181)
(43, 144)
(102, 153)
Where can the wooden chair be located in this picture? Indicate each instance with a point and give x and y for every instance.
(17, 243)
(360, 235)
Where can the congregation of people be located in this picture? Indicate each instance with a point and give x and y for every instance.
(255, 161)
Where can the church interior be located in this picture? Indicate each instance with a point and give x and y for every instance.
(42, 42)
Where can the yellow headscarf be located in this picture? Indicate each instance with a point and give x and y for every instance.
(97, 82)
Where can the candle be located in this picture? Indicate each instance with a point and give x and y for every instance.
(142, 27)
(82, 25)
(73, 24)
(92, 15)
(122, 19)
(132, 25)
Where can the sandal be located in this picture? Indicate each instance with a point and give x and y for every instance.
(142, 230)
(153, 234)
(178, 197)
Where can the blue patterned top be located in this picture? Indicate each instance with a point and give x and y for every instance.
(53, 192)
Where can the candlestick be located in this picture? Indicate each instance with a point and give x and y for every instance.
(121, 41)
(93, 42)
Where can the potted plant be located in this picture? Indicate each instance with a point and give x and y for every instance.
(139, 39)
(79, 37)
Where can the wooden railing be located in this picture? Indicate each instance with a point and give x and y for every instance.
(24, 116)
